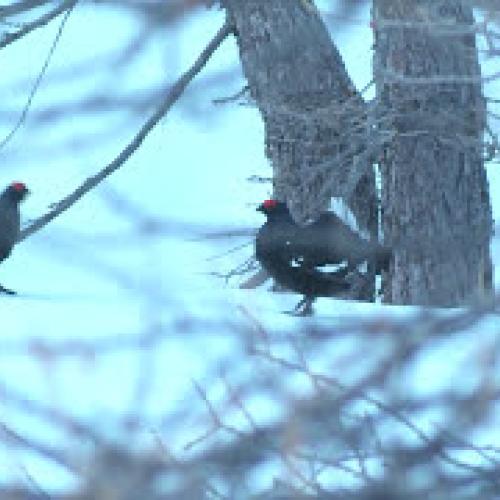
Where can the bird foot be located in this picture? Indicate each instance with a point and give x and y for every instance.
(302, 309)
(7, 291)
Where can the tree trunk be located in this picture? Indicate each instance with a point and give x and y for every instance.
(435, 197)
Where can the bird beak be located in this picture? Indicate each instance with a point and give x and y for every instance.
(260, 208)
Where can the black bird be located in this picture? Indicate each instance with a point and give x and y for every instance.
(293, 255)
(10, 220)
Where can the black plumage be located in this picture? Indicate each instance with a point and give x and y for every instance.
(329, 240)
(10, 220)
(293, 255)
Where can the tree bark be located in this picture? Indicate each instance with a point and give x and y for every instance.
(312, 113)
(435, 196)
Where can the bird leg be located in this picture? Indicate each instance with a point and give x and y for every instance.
(7, 290)
(303, 308)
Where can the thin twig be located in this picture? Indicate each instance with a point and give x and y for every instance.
(174, 94)
(229, 252)
(233, 98)
(36, 86)
(255, 280)
(49, 453)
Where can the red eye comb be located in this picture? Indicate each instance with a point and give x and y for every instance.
(18, 186)
(269, 203)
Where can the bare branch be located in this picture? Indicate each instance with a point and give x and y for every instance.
(21, 6)
(8, 38)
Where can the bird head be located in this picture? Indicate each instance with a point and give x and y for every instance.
(18, 191)
(273, 207)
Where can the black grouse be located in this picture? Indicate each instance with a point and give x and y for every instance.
(10, 220)
(293, 255)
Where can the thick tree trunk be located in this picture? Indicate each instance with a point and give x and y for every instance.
(315, 121)
(312, 113)
(435, 197)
